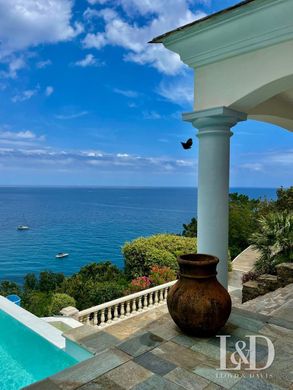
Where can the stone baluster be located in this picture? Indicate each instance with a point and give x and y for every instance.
(145, 302)
(115, 313)
(139, 304)
(102, 317)
(128, 308)
(122, 310)
(133, 306)
(95, 321)
(161, 297)
(151, 301)
(109, 315)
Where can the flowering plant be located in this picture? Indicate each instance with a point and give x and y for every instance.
(161, 275)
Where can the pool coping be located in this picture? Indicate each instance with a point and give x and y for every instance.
(34, 323)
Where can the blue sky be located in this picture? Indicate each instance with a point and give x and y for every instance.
(86, 101)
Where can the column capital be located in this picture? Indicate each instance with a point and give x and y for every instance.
(219, 117)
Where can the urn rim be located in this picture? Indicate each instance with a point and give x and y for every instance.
(198, 259)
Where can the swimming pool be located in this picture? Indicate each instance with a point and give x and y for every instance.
(26, 357)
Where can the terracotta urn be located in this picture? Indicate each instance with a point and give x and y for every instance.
(198, 303)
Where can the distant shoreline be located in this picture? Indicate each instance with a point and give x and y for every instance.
(120, 187)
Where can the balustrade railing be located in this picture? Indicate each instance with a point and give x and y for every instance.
(119, 309)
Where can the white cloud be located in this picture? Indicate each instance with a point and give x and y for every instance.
(72, 116)
(43, 64)
(14, 65)
(252, 166)
(95, 41)
(92, 2)
(49, 90)
(89, 60)
(179, 91)
(126, 92)
(133, 36)
(27, 135)
(25, 95)
(28, 23)
(28, 156)
(151, 115)
(25, 138)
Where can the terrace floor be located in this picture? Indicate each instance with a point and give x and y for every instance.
(149, 352)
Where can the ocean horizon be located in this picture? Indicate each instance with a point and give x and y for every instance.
(90, 223)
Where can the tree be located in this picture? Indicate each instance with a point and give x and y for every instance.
(285, 199)
(30, 282)
(50, 281)
(274, 241)
(190, 229)
(9, 288)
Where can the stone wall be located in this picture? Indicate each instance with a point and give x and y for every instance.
(267, 283)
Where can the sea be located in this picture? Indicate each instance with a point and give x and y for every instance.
(91, 224)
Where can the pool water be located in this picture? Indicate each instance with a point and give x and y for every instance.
(25, 357)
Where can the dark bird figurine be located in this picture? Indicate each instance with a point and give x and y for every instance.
(187, 144)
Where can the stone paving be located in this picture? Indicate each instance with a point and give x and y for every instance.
(149, 352)
(243, 263)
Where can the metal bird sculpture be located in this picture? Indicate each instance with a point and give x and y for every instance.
(187, 144)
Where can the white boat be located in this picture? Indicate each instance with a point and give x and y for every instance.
(61, 255)
(22, 227)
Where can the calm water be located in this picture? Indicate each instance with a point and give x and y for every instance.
(26, 357)
(89, 223)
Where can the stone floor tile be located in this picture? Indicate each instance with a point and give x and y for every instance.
(276, 331)
(90, 369)
(208, 348)
(166, 331)
(254, 384)
(98, 342)
(185, 341)
(187, 379)
(222, 378)
(213, 386)
(102, 384)
(140, 344)
(156, 382)
(155, 363)
(128, 375)
(45, 384)
(178, 355)
(248, 321)
(81, 332)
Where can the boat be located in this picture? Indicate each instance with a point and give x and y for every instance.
(61, 255)
(22, 227)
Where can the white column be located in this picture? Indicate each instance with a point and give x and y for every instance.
(213, 181)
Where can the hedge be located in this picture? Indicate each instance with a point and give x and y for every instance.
(161, 249)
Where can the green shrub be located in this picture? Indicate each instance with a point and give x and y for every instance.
(38, 303)
(49, 281)
(59, 301)
(7, 288)
(162, 249)
(274, 241)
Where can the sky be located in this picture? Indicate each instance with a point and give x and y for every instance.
(85, 100)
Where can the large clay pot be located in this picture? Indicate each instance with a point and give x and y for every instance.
(198, 303)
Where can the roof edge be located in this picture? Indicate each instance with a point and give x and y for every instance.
(162, 37)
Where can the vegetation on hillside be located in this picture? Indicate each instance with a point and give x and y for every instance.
(150, 261)
(247, 222)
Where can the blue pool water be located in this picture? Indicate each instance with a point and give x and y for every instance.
(91, 224)
(25, 357)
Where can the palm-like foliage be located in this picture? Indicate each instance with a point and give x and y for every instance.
(274, 240)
